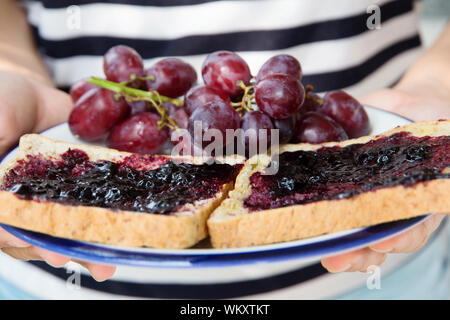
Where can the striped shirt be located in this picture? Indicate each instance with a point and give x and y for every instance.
(332, 41)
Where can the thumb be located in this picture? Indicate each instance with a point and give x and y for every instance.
(28, 106)
(53, 106)
(17, 109)
(413, 106)
(387, 99)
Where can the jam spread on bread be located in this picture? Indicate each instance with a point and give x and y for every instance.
(75, 180)
(332, 173)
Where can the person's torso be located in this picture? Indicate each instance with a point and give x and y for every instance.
(337, 43)
(340, 45)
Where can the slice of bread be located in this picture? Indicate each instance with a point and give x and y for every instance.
(180, 229)
(233, 225)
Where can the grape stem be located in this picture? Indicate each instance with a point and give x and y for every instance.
(134, 78)
(133, 95)
(308, 89)
(246, 104)
(121, 88)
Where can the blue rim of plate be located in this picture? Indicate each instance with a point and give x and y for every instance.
(118, 256)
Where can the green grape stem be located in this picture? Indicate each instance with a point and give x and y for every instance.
(246, 104)
(132, 95)
(309, 88)
(123, 90)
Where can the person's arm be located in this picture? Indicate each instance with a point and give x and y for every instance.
(17, 51)
(27, 98)
(28, 103)
(422, 94)
(424, 91)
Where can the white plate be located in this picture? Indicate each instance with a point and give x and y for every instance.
(203, 256)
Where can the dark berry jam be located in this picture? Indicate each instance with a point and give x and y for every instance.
(338, 173)
(74, 180)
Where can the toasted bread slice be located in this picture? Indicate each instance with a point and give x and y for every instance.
(180, 229)
(232, 224)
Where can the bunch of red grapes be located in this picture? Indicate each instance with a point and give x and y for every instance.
(230, 98)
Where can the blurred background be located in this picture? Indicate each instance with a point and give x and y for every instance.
(425, 274)
(433, 18)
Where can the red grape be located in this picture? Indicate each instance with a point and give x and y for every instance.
(286, 128)
(279, 95)
(138, 134)
(256, 120)
(346, 111)
(121, 62)
(186, 147)
(95, 113)
(284, 64)
(141, 106)
(79, 88)
(178, 114)
(223, 70)
(214, 115)
(315, 127)
(173, 77)
(201, 95)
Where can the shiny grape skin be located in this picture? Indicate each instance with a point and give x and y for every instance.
(315, 127)
(95, 113)
(79, 88)
(223, 70)
(256, 120)
(178, 114)
(214, 115)
(138, 134)
(346, 111)
(280, 96)
(201, 95)
(284, 64)
(141, 106)
(121, 62)
(286, 128)
(185, 147)
(173, 77)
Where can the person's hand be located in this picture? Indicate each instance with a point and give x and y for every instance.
(416, 103)
(28, 105)
(22, 250)
(406, 242)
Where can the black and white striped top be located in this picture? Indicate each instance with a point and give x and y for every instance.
(330, 38)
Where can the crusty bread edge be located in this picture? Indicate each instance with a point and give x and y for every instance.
(231, 225)
(317, 218)
(33, 144)
(102, 225)
(123, 228)
(418, 129)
